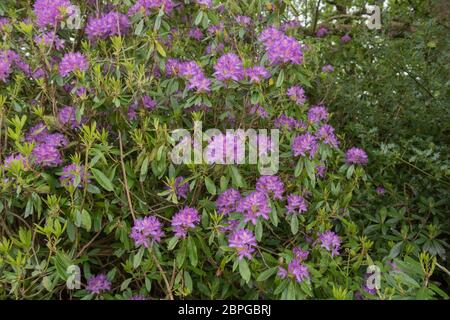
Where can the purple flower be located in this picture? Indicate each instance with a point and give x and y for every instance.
(356, 156)
(98, 284)
(70, 174)
(297, 94)
(257, 73)
(224, 147)
(172, 66)
(50, 12)
(183, 220)
(346, 38)
(146, 231)
(145, 6)
(255, 205)
(303, 144)
(38, 133)
(321, 32)
(321, 170)
(46, 155)
(216, 28)
(243, 20)
(206, 3)
(228, 201)
(16, 158)
(8, 58)
(328, 68)
(229, 66)
(244, 242)
(194, 74)
(326, 134)
(380, 190)
(271, 185)
(73, 61)
(67, 117)
(260, 111)
(180, 189)
(295, 268)
(49, 39)
(148, 103)
(3, 22)
(280, 47)
(330, 241)
(109, 24)
(132, 115)
(300, 254)
(289, 123)
(196, 33)
(317, 114)
(296, 204)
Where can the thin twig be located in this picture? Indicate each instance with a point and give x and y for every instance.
(125, 180)
(163, 274)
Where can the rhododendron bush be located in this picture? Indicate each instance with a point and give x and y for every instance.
(93, 207)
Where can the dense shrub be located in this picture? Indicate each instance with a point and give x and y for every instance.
(87, 180)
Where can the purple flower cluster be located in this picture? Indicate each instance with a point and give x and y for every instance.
(287, 122)
(9, 59)
(326, 134)
(296, 204)
(328, 68)
(296, 269)
(146, 231)
(346, 38)
(9, 160)
(45, 152)
(67, 117)
(183, 220)
(73, 61)
(98, 284)
(257, 73)
(229, 67)
(49, 39)
(70, 174)
(255, 205)
(321, 32)
(317, 114)
(297, 94)
(51, 12)
(145, 6)
(228, 201)
(244, 242)
(243, 20)
(303, 144)
(330, 241)
(205, 3)
(260, 111)
(270, 185)
(356, 156)
(223, 147)
(109, 24)
(280, 47)
(193, 73)
(380, 190)
(181, 189)
(196, 34)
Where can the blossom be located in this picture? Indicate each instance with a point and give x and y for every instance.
(255, 205)
(321, 32)
(284, 121)
(229, 66)
(317, 114)
(260, 111)
(70, 174)
(296, 204)
(16, 158)
(50, 12)
(73, 61)
(46, 155)
(328, 68)
(49, 39)
(271, 185)
(380, 190)
(181, 189)
(228, 201)
(297, 94)
(183, 220)
(38, 133)
(320, 170)
(356, 156)
(206, 3)
(148, 103)
(330, 241)
(346, 38)
(145, 6)
(194, 74)
(146, 231)
(225, 148)
(67, 117)
(295, 268)
(257, 73)
(244, 242)
(280, 47)
(303, 144)
(216, 28)
(107, 25)
(300, 254)
(8, 58)
(243, 20)
(196, 33)
(326, 133)
(98, 284)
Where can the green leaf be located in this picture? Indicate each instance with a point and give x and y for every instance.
(244, 270)
(266, 274)
(280, 79)
(192, 251)
(102, 179)
(86, 220)
(138, 258)
(294, 224)
(258, 230)
(144, 169)
(188, 281)
(172, 243)
(210, 186)
(198, 18)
